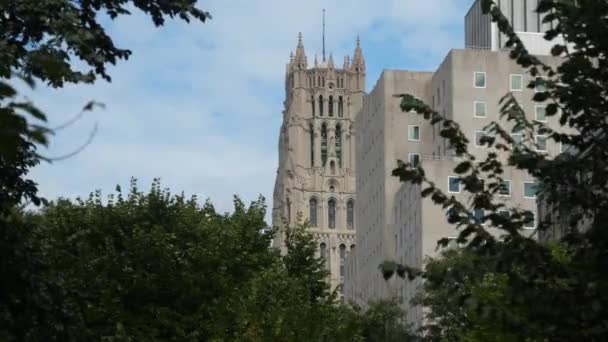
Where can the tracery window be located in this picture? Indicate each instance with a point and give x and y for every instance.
(313, 212)
(339, 144)
(331, 213)
(330, 105)
(324, 144)
(312, 145)
(350, 214)
(320, 105)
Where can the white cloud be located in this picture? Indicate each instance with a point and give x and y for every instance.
(200, 104)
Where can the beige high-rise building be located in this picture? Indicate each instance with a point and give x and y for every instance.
(316, 174)
(393, 221)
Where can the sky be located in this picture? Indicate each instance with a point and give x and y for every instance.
(199, 105)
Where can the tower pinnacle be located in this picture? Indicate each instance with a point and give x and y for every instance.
(300, 57)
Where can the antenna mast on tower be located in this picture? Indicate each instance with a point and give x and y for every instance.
(324, 35)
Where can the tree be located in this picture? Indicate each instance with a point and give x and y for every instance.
(152, 266)
(527, 279)
(40, 41)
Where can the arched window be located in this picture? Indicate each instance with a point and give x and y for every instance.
(352, 247)
(340, 106)
(312, 102)
(330, 106)
(323, 82)
(318, 81)
(331, 213)
(320, 105)
(323, 250)
(339, 144)
(323, 144)
(312, 145)
(342, 258)
(313, 212)
(350, 215)
(332, 167)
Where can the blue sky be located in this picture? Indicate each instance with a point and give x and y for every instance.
(199, 105)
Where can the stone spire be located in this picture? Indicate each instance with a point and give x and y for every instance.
(330, 63)
(316, 61)
(358, 64)
(346, 63)
(300, 57)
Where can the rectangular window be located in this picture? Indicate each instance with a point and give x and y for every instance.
(517, 138)
(478, 215)
(414, 159)
(504, 213)
(540, 113)
(479, 79)
(478, 136)
(541, 143)
(540, 85)
(530, 189)
(453, 184)
(413, 133)
(504, 188)
(517, 82)
(479, 109)
(532, 223)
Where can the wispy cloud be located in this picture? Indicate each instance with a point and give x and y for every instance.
(199, 105)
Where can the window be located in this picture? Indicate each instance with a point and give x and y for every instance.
(312, 145)
(340, 106)
(517, 138)
(517, 82)
(540, 113)
(478, 215)
(332, 167)
(312, 101)
(479, 79)
(504, 188)
(330, 105)
(479, 109)
(453, 184)
(313, 212)
(323, 144)
(540, 85)
(413, 133)
(504, 213)
(339, 144)
(478, 137)
(541, 143)
(320, 105)
(331, 213)
(414, 159)
(342, 258)
(323, 250)
(530, 189)
(530, 222)
(350, 215)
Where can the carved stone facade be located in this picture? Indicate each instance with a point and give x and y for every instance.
(316, 174)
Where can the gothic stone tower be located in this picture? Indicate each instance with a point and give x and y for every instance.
(316, 174)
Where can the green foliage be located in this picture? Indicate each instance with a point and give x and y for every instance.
(521, 289)
(31, 306)
(43, 40)
(152, 266)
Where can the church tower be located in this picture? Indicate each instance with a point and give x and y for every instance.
(316, 174)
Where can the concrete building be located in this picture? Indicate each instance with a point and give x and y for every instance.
(481, 33)
(393, 221)
(316, 175)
